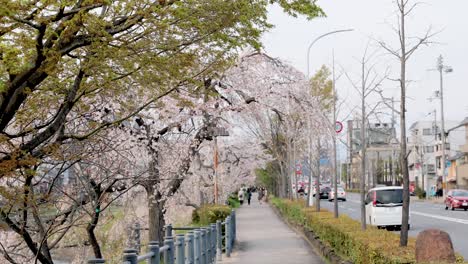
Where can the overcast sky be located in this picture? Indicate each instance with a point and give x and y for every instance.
(372, 19)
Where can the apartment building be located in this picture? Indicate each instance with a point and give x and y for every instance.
(425, 146)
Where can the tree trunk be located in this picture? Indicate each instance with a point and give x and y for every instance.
(403, 150)
(91, 236)
(156, 212)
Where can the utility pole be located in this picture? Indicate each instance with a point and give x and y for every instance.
(215, 161)
(350, 149)
(335, 176)
(393, 143)
(442, 68)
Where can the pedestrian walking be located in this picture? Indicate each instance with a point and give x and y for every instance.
(260, 195)
(249, 195)
(241, 195)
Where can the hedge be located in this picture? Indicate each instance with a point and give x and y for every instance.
(209, 214)
(345, 237)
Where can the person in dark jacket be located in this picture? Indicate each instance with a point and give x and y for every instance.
(249, 196)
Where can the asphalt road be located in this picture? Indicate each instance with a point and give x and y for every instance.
(423, 215)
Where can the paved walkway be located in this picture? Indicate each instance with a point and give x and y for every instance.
(264, 238)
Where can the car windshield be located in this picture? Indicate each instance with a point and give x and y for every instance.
(460, 193)
(389, 196)
(340, 189)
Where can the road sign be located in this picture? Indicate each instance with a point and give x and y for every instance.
(338, 126)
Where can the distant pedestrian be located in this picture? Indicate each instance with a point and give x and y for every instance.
(260, 195)
(249, 195)
(266, 195)
(241, 195)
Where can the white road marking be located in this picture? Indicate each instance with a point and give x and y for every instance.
(450, 219)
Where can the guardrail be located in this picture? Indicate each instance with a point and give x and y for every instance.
(200, 245)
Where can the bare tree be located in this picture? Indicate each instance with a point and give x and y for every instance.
(406, 48)
(368, 84)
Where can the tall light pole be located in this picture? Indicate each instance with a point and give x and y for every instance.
(442, 68)
(317, 39)
(334, 121)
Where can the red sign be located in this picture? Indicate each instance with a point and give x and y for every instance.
(338, 126)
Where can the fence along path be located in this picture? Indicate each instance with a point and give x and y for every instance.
(200, 245)
(262, 237)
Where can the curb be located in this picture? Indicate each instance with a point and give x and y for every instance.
(325, 251)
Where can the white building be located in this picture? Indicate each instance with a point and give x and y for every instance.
(425, 148)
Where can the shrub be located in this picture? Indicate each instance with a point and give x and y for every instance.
(420, 193)
(210, 214)
(233, 201)
(345, 236)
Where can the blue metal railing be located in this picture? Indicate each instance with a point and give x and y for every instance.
(200, 245)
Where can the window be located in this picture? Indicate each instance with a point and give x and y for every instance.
(427, 132)
(429, 149)
(460, 193)
(389, 196)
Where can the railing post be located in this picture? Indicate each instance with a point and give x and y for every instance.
(154, 247)
(228, 236)
(96, 261)
(168, 230)
(207, 244)
(168, 241)
(219, 239)
(197, 246)
(189, 247)
(213, 243)
(180, 249)
(234, 223)
(202, 246)
(137, 236)
(130, 256)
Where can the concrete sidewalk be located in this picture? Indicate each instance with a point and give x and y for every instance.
(264, 238)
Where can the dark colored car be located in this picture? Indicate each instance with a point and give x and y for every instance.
(456, 199)
(324, 192)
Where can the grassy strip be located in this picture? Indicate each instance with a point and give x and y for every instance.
(345, 236)
(353, 190)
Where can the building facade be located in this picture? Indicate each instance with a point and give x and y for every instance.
(381, 154)
(425, 157)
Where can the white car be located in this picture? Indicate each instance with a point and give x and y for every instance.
(341, 194)
(384, 207)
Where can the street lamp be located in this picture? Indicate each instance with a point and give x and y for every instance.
(442, 69)
(317, 39)
(335, 178)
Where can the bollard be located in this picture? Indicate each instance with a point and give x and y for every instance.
(180, 249)
(169, 254)
(228, 236)
(96, 261)
(197, 246)
(219, 239)
(154, 247)
(189, 248)
(130, 256)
